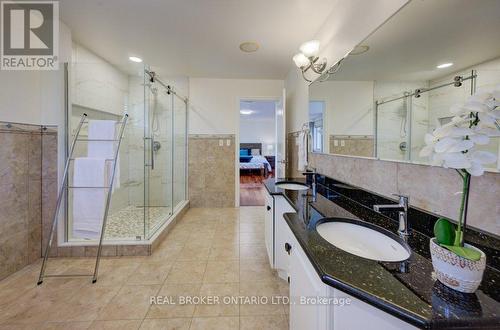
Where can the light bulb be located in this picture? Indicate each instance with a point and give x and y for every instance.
(310, 48)
(301, 60)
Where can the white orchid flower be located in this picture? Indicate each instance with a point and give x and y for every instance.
(477, 159)
(452, 145)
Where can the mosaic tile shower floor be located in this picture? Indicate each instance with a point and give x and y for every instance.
(129, 222)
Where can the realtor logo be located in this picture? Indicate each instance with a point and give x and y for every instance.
(29, 35)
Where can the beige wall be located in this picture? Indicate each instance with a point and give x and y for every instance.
(211, 171)
(430, 188)
(214, 109)
(214, 104)
(27, 172)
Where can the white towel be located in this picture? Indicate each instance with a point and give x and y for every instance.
(302, 153)
(88, 203)
(104, 130)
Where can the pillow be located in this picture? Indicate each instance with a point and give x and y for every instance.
(244, 152)
(255, 152)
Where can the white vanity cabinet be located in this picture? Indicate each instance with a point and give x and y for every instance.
(305, 286)
(277, 232)
(307, 312)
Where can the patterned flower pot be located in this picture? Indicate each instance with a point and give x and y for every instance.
(457, 272)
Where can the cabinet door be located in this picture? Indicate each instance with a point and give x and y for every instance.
(281, 235)
(269, 227)
(305, 284)
(358, 315)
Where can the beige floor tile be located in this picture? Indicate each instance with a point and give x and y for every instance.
(251, 238)
(114, 274)
(66, 325)
(84, 304)
(150, 272)
(215, 323)
(225, 238)
(17, 285)
(253, 252)
(222, 272)
(224, 306)
(16, 326)
(195, 252)
(166, 324)
(116, 324)
(254, 270)
(256, 228)
(224, 252)
(35, 305)
(187, 272)
(168, 251)
(263, 322)
(175, 308)
(270, 302)
(131, 303)
(207, 253)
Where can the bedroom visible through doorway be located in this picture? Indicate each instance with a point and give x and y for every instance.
(257, 149)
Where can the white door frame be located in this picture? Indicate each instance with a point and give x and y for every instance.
(237, 141)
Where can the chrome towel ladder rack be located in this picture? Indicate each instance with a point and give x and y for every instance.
(64, 186)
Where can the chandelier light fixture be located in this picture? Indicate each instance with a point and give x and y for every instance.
(308, 59)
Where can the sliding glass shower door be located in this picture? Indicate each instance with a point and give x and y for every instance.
(158, 148)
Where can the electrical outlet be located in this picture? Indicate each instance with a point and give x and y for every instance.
(335, 143)
(342, 143)
(228, 142)
(221, 143)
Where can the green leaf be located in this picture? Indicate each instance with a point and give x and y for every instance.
(463, 251)
(444, 231)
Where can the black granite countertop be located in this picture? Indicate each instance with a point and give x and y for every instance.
(406, 289)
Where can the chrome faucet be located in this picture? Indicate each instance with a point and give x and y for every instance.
(402, 206)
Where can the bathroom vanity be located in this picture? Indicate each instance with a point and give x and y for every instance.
(331, 288)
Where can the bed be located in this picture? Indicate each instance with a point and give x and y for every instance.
(251, 159)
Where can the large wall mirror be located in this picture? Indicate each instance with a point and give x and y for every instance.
(400, 82)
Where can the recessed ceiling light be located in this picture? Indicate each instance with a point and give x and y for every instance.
(246, 112)
(135, 59)
(249, 47)
(360, 49)
(444, 65)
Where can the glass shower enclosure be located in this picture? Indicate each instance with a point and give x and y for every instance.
(152, 167)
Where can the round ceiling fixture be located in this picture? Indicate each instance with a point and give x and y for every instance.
(360, 49)
(249, 47)
(135, 59)
(444, 65)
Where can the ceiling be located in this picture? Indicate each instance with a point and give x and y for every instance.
(424, 34)
(197, 38)
(261, 110)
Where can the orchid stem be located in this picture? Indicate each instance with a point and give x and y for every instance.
(459, 237)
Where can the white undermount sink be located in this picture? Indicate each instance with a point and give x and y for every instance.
(357, 238)
(288, 185)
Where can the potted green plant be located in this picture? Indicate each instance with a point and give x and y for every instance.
(454, 145)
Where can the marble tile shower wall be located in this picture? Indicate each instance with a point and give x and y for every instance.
(430, 188)
(211, 171)
(28, 177)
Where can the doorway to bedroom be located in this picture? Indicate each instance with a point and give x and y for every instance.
(257, 149)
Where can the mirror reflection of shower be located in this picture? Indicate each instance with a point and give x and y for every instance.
(403, 127)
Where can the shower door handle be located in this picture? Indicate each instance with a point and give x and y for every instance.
(152, 152)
